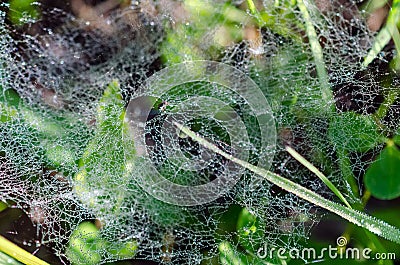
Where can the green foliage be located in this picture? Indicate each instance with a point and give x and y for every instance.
(229, 256)
(214, 26)
(249, 230)
(382, 178)
(318, 173)
(86, 245)
(3, 206)
(50, 129)
(103, 160)
(289, 55)
(21, 11)
(83, 244)
(389, 31)
(7, 260)
(9, 101)
(370, 223)
(354, 132)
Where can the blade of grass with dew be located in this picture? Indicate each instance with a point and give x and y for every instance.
(326, 92)
(18, 253)
(385, 34)
(318, 173)
(378, 245)
(316, 50)
(363, 220)
(254, 12)
(252, 6)
(390, 98)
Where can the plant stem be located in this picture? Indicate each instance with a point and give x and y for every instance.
(254, 12)
(348, 175)
(316, 50)
(356, 217)
(385, 34)
(252, 6)
(18, 253)
(390, 98)
(318, 173)
(6, 259)
(372, 237)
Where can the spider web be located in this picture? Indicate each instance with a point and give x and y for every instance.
(66, 150)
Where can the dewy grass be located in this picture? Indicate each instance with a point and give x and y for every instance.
(363, 220)
(385, 34)
(318, 173)
(283, 68)
(18, 253)
(316, 50)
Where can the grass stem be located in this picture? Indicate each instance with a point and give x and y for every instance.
(317, 52)
(363, 220)
(318, 173)
(18, 253)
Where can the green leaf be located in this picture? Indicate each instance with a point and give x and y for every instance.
(20, 10)
(382, 178)
(103, 160)
(3, 206)
(396, 138)
(318, 55)
(372, 5)
(249, 231)
(230, 256)
(84, 244)
(9, 102)
(353, 132)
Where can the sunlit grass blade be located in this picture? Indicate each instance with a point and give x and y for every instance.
(252, 6)
(385, 34)
(318, 173)
(363, 220)
(254, 12)
(18, 253)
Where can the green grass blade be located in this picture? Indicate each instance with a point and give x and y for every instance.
(252, 6)
(363, 220)
(318, 173)
(385, 34)
(18, 253)
(255, 13)
(316, 50)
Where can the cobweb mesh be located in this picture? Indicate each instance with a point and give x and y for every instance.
(66, 155)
